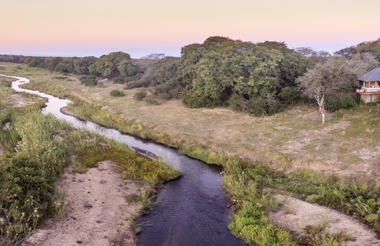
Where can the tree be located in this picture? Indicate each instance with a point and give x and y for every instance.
(337, 74)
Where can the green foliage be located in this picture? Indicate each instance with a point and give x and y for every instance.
(289, 95)
(27, 176)
(117, 93)
(81, 65)
(139, 96)
(89, 80)
(357, 200)
(336, 102)
(133, 165)
(245, 185)
(209, 74)
(160, 72)
(116, 64)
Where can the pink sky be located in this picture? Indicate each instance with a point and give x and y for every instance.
(94, 27)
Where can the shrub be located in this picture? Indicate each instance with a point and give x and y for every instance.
(289, 95)
(193, 100)
(60, 77)
(119, 80)
(151, 100)
(334, 103)
(117, 93)
(237, 103)
(256, 106)
(139, 96)
(89, 80)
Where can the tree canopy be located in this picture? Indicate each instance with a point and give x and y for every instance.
(371, 47)
(220, 69)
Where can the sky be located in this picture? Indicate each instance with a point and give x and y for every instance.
(142, 27)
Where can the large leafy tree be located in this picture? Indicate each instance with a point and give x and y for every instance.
(116, 64)
(220, 68)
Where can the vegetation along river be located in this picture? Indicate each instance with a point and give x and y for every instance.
(189, 211)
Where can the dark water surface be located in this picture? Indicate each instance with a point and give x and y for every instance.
(189, 211)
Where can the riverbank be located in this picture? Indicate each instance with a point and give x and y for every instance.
(38, 148)
(96, 211)
(240, 175)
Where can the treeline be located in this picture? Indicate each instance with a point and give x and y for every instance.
(118, 66)
(254, 78)
(259, 78)
(372, 47)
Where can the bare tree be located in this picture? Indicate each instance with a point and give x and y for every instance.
(337, 74)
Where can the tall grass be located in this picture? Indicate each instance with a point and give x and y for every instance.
(250, 221)
(38, 148)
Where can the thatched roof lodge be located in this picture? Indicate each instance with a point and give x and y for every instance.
(370, 86)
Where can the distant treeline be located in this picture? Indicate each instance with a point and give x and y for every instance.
(372, 48)
(117, 65)
(257, 78)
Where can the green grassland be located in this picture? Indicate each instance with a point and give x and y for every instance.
(336, 165)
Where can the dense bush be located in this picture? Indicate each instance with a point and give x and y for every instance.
(139, 96)
(117, 93)
(115, 65)
(334, 103)
(27, 177)
(289, 95)
(89, 81)
(210, 74)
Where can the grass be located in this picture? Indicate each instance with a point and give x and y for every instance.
(290, 151)
(132, 165)
(37, 148)
(245, 183)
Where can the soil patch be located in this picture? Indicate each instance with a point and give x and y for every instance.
(296, 215)
(96, 213)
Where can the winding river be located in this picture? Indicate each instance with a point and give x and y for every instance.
(189, 211)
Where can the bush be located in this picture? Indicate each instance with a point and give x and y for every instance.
(237, 103)
(334, 103)
(289, 95)
(117, 93)
(193, 100)
(89, 81)
(151, 100)
(139, 96)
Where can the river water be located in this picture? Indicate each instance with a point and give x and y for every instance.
(189, 211)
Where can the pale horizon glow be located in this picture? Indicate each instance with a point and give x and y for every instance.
(141, 27)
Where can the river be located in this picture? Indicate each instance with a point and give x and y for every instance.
(192, 210)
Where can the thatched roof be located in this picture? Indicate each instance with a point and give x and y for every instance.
(373, 75)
